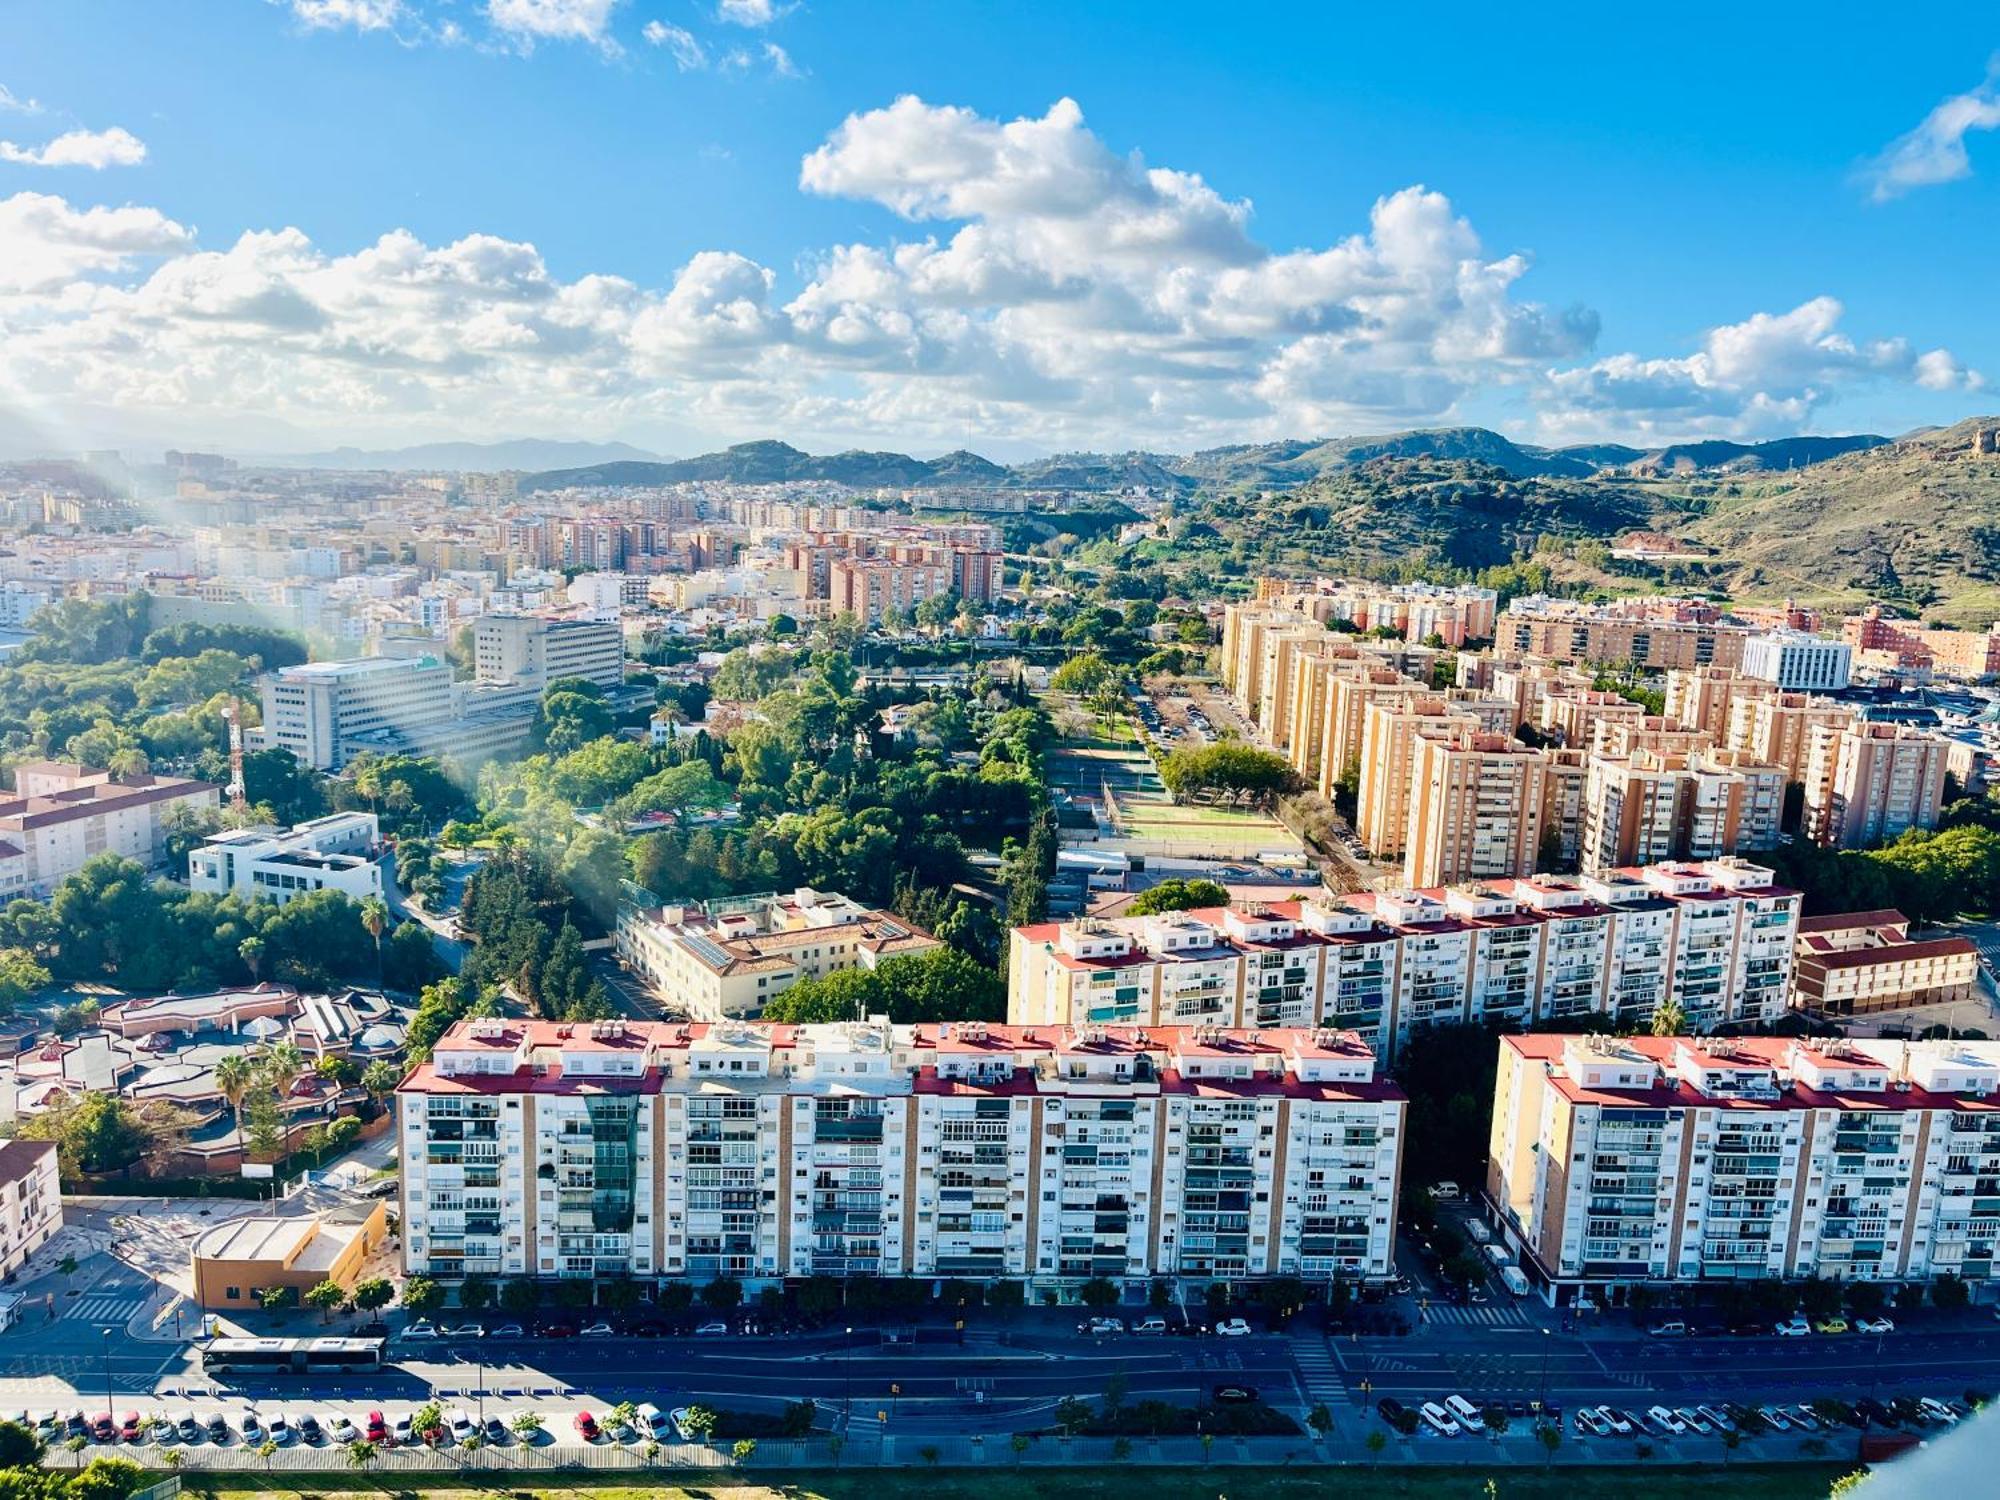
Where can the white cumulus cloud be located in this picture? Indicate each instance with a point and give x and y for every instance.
(1766, 374)
(1039, 284)
(530, 21)
(1935, 151)
(95, 149)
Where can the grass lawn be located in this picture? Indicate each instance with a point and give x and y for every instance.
(1632, 1482)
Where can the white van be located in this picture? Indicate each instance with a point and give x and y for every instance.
(1498, 1255)
(1481, 1235)
(1515, 1280)
(1465, 1411)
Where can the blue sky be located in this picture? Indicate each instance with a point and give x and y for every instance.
(1105, 224)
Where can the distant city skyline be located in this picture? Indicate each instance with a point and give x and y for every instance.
(277, 226)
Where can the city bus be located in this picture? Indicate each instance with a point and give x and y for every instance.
(291, 1356)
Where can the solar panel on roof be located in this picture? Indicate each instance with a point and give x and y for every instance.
(707, 950)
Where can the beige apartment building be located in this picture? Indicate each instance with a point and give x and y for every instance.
(1617, 1162)
(60, 816)
(1475, 810)
(1390, 735)
(1868, 783)
(1651, 805)
(730, 958)
(1777, 728)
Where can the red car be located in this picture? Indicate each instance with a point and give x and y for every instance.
(102, 1428)
(376, 1429)
(129, 1428)
(586, 1427)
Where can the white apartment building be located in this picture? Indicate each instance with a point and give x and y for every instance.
(729, 958)
(60, 816)
(531, 651)
(1622, 1161)
(30, 1201)
(1052, 1154)
(1798, 662)
(331, 853)
(1715, 938)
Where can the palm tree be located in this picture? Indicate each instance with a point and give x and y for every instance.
(284, 1065)
(375, 917)
(234, 1077)
(251, 951)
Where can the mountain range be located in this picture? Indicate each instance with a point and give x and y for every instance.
(1278, 465)
(471, 458)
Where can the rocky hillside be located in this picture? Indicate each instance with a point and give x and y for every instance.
(1916, 521)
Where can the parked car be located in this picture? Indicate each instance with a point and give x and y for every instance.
(1875, 1325)
(712, 1330)
(465, 1331)
(309, 1428)
(598, 1330)
(341, 1429)
(399, 1430)
(279, 1429)
(102, 1428)
(678, 1419)
(508, 1331)
(130, 1427)
(376, 1428)
(1937, 1411)
(421, 1330)
(1464, 1410)
(1776, 1418)
(1589, 1423)
(1722, 1420)
(1831, 1325)
(587, 1428)
(1234, 1395)
(1155, 1325)
(250, 1427)
(1793, 1328)
(495, 1433)
(1397, 1415)
(1616, 1420)
(652, 1420)
(1695, 1421)
(1666, 1421)
(1098, 1327)
(1440, 1421)
(1673, 1330)
(1233, 1328)
(187, 1427)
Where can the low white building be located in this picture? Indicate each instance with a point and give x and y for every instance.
(330, 853)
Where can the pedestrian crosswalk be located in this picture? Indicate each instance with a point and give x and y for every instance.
(1317, 1370)
(1491, 1315)
(105, 1307)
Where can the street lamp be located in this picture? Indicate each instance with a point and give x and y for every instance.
(847, 1381)
(107, 1367)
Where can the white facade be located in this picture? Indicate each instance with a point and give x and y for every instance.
(533, 650)
(1057, 1155)
(1651, 1159)
(61, 816)
(1798, 662)
(30, 1201)
(331, 853)
(1713, 937)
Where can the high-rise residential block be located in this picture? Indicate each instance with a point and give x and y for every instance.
(1051, 1154)
(1621, 1161)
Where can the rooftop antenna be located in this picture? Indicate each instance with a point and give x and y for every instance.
(232, 716)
